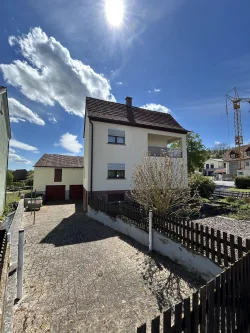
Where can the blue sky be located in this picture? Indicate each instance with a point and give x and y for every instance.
(175, 54)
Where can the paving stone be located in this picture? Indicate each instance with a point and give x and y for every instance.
(80, 276)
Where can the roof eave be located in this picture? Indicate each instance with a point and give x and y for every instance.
(158, 128)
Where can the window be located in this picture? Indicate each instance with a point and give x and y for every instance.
(232, 155)
(248, 153)
(116, 137)
(247, 163)
(212, 166)
(115, 197)
(207, 166)
(225, 165)
(116, 170)
(58, 175)
(240, 173)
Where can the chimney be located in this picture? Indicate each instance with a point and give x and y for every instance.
(129, 101)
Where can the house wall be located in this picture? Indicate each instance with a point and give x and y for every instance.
(233, 167)
(217, 164)
(136, 144)
(45, 176)
(4, 149)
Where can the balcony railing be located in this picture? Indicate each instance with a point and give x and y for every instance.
(171, 152)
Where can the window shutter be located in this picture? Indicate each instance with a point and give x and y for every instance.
(115, 132)
(58, 175)
(116, 166)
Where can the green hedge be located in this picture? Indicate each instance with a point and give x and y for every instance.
(242, 182)
(202, 184)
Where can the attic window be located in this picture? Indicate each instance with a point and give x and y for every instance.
(58, 175)
(232, 155)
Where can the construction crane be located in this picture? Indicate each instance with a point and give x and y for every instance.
(236, 100)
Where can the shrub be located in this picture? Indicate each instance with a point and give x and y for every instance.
(231, 199)
(242, 182)
(203, 185)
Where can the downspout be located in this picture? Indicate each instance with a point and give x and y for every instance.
(91, 165)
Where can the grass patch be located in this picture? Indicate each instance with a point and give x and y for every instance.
(235, 189)
(15, 196)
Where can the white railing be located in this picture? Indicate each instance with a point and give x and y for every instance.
(171, 152)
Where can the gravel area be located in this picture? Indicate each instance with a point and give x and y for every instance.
(228, 225)
(80, 276)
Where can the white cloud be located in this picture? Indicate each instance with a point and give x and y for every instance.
(50, 75)
(120, 82)
(156, 107)
(157, 90)
(17, 144)
(69, 142)
(52, 120)
(149, 91)
(11, 150)
(217, 142)
(19, 112)
(18, 159)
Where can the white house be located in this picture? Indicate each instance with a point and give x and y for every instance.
(214, 164)
(116, 136)
(232, 161)
(59, 177)
(5, 133)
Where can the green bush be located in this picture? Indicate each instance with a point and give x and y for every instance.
(231, 199)
(242, 182)
(202, 184)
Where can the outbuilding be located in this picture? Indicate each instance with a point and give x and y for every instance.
(59, 177)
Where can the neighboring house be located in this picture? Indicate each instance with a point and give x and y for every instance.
(59, 177)
(231, 159)
(5, 134)
(213, 164)
(20, 175)
(116, 136)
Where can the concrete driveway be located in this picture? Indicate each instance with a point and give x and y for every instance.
(81, 276)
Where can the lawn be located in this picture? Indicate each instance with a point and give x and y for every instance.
(14, 196)
(235, 189)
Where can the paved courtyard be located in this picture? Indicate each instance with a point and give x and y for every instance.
(80, 276)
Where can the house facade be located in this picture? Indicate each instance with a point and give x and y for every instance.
(116, 136)
(4, 144)
(59, 177)
(232, 161)
(214, 164)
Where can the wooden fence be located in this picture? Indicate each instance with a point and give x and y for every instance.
(3, 245)
(223, 193)
(219, 246)
(223, 305)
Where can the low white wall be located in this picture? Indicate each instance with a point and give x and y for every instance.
(194, 263)
(125, 228)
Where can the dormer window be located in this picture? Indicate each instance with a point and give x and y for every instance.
(232, 155)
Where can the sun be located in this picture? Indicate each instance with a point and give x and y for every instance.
(114, 11)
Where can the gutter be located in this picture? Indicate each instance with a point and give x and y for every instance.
(92, 157)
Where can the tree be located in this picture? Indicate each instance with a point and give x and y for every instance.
(219, 149)
(9, 178)
(29, 179)
(197, 153)
(160, 183)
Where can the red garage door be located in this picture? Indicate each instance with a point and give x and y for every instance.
(76, 192)
(55, 192)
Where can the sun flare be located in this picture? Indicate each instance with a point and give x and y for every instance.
(114, 11)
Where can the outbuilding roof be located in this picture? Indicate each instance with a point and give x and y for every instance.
(117, 113)
(60, 161)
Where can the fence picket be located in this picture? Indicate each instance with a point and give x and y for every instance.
(197, 237)
(212, 244)
(232, 271)
(192, 235)
(155, 325)
(166, 321)
(142, 329)
(188, 233)
(232, 248)
(203, 302)
(223, 303)
(239, 247)
(195, 309)
(218, 245)
(177, 319)
(228, 300)
(210, 314)
(187, 317)
(207, 241)
(217, 304)
(225, 249)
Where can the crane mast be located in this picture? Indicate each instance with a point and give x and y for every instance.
(236, 100)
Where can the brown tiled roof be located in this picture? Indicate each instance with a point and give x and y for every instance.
(223, 170)
(20, 174)
(60, 161)
(131, 116)
(234, 150)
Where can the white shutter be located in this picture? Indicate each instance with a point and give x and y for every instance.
(115, 132)
(116, 166)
